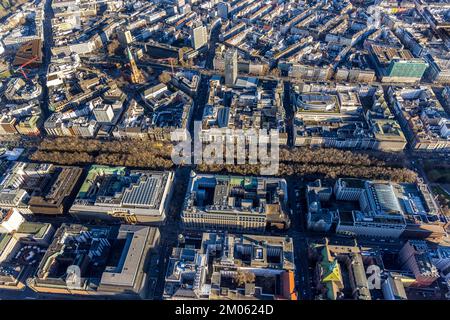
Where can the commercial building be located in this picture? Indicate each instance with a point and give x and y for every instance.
(249, 105)
(333, 116)
(422, 118)
(128, 275)
(116, 193)
(380, 214)
(374, 209)
(32, 188)
(97, 260)
(17, 235)
(188, 82)
(396, 65)
(440, 257)
(388, 210)
(55, 195)
(393, 288)
(125, 37)
(318, 218)
(19, 182)
(223, 8)
(234, 267)
(21, 112)
(20, 251)
(251, 65)
(235, 203)
(10, 220)
(359, 207)
(162, 112)
(231, 67)
(30, 52)
(415, 258)
(104, 113)
(199, 37)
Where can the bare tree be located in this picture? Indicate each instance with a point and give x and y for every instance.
(165, 77)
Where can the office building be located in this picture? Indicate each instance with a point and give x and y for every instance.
(414, 257)
(116, 193)
(318, 218)
(108, 261)
(422, 117)
(10, 220)
(379, 214)
(128, 275)
(223, 9)
(235, 203)
(231, 67)
(125, 37)
(55, 195)
(199, 37)
(393, 288)
(103, 113)
(397, 65)
(233, 267)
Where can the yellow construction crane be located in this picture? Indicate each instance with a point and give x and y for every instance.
(171, 61)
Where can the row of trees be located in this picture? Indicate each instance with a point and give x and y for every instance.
(341, 157)
(65, 158)
(73, 144)
(134, 160)
(315, 171)
(325, 156)
(112, 159)
(327, 163)
(70, 151)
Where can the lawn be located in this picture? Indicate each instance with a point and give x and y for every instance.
(443, 196)
(437, 173)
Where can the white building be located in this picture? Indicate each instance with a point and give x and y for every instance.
(231, 67)
(348, 189)
(380, 214)
(10, 221)
(103, 113)
(233, 202)
(199, 37)
(138, 197)
(445, 128)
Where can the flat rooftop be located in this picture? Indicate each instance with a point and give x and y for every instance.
(138, 240)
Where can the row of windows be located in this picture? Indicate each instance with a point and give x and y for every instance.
(222, 217)
(213, 222)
